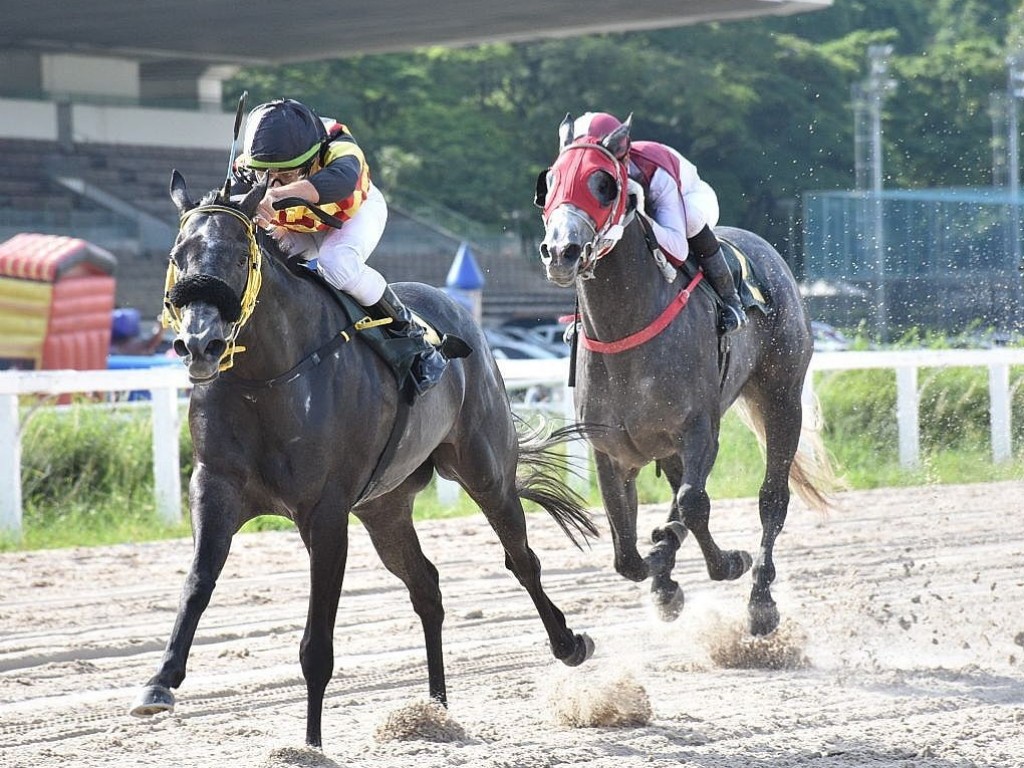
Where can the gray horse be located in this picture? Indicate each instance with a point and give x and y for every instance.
(651, 368)
(308, 423)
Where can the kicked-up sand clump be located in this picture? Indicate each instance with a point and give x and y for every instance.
(731, 646)
(579, 701)
(297, 757)
(420, 720)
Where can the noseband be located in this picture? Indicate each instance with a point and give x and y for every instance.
(212, 289)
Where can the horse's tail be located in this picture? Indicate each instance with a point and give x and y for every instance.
(813, 475)
(544, 480)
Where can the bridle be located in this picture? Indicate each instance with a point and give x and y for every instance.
(171, 317)
(605, 237)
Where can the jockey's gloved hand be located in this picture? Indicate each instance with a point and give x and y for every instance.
(635, 191)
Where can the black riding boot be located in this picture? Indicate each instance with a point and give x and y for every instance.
(430, 363)
(716, 269)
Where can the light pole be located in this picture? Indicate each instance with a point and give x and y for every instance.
(873, 92)
(1014, 91)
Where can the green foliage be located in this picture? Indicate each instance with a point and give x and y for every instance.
(761, 106)
(87, 477)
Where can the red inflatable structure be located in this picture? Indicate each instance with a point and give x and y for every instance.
(56, 300)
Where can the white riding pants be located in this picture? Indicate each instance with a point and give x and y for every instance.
(341, 254)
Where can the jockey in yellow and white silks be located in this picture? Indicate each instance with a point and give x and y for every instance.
(681, 207)
(304, 156)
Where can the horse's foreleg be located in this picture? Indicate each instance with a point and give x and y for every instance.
(212, 532)
(326, 540)
(618, 491)
(693, 505)
(391, 531)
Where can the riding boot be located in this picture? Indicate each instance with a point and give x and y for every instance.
(429, 363)
(716, 269)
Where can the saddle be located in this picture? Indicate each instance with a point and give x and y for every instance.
(751, 284)
(399, 352)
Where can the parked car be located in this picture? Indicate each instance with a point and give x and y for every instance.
(827, 338)
(506, 347)
(548, 334)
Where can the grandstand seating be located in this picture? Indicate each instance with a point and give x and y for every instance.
(412, 249)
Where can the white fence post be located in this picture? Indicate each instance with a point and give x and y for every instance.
(10, 467)
(166, 457)
(999, 410)
(579, 450)
(907, 417)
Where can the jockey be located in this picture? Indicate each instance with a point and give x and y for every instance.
(318, 160)
(683, 208)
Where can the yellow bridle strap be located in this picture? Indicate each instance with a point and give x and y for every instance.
(171, 316)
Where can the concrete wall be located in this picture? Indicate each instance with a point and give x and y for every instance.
(25, 119)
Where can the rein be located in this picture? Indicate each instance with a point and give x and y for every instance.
(659, 324)
(171, 315)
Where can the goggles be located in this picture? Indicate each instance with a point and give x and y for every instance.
(279, 176)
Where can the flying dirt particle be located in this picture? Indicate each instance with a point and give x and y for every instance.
(420, 720)
(589, 701)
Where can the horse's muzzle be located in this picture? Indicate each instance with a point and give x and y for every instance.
(562, 263)
(567, 245)
(201, 342)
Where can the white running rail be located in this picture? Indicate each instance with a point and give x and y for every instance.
(166, 384)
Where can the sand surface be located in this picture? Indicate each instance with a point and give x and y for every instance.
(902, 644)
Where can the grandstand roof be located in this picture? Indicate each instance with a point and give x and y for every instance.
(261, 31)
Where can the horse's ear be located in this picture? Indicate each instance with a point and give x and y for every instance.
(565, 132)
(617, 142)
(179, 193)
(251, 201)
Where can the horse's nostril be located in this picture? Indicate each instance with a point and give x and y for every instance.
(179, 348)
(545, 255)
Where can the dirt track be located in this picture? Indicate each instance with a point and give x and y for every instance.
(902, 635)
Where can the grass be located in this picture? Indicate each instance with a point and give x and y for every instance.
(87, 472)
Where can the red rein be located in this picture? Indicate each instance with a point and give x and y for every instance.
(660, 323)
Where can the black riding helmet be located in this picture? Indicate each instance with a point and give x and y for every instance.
(282, 134)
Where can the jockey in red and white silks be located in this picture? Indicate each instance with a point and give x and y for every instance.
(679, 202)
(681, 206)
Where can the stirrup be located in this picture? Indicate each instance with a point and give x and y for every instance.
(731, 319)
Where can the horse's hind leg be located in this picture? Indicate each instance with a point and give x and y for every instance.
(326, 538)
(782, 414)
(389, 522)
(490, 481)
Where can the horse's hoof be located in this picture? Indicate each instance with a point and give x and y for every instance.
(764, 618)
(152, 700)
(734, 563)
(583, 651)
(669, 602)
